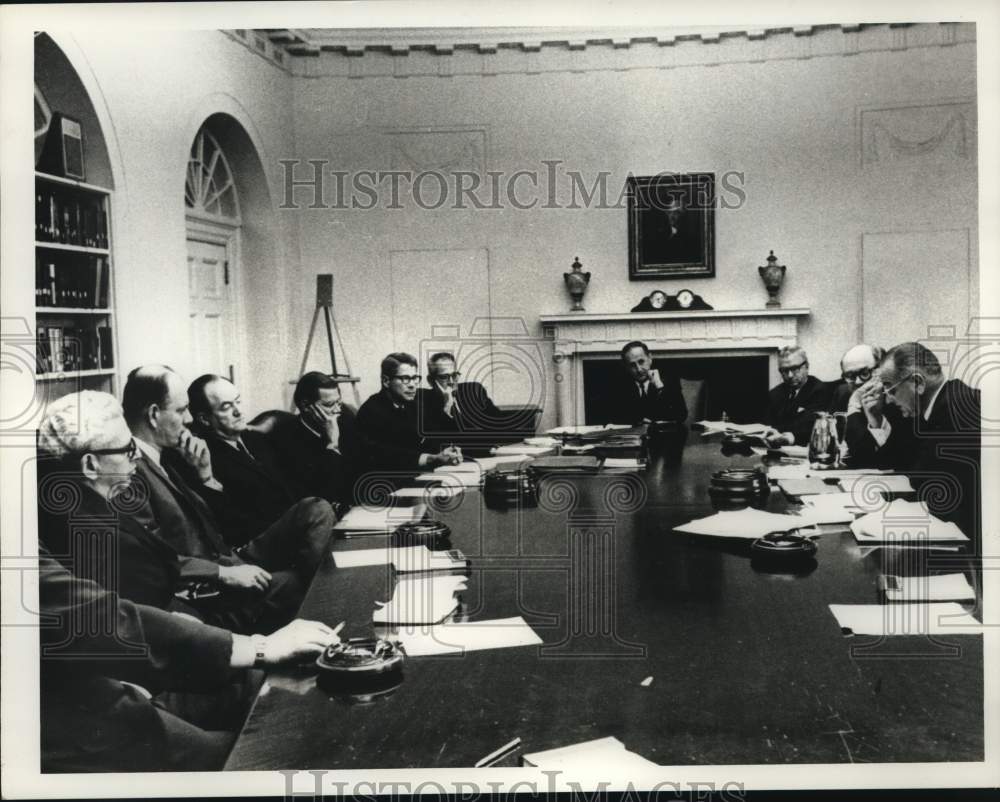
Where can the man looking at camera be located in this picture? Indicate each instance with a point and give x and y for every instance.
(646, 395)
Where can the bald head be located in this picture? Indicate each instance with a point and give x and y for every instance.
(859, 362)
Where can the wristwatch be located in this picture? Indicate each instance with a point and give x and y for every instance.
(259, 643)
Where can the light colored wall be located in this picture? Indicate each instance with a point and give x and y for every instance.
(791, 125)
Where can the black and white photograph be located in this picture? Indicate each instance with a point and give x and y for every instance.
(349, 446)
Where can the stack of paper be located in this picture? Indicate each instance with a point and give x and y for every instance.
(904, 521)
(940, 587)
(470, 636)
(942, 618)
(727, 427)
(866, 486)
(437, 492)
(511, 460)
(421, 600)
(806, 486)
(378, 519)
(586, 756)
(747, 523)
(523, 449)
(624, 463)
(406, 559)
(549, 442)
(590, 429)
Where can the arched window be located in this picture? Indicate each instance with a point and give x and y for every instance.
(209, 190)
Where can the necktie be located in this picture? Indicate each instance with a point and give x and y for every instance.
(243, 449)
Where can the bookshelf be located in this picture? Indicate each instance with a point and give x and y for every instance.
(74, 300)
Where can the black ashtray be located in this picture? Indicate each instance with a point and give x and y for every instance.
(433, 534)
(361, 666)
(509, 488)
(736, 444)
(779, 549)
(742, 483)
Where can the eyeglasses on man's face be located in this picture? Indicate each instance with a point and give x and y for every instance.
(411, 379)
(130, 450)
(856, 375)
(891, 389)
(789, 369)
(443, 377)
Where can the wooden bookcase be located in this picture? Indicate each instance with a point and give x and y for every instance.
(74, 287)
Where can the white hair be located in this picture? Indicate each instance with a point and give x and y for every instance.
(78, 422)
(792, 350)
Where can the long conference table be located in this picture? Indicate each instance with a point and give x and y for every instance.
(678, 645)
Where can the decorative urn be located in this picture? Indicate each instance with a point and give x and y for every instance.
(576, 284)
(772, 275)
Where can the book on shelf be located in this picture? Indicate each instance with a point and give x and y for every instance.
(70, 216)
(75, 281)
(63, 349)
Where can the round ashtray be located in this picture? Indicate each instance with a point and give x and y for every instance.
(361, 665)
(433, 534)
(791, 545)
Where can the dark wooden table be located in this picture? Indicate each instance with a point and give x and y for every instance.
(747, 666)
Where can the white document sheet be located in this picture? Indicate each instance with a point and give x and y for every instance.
(905, 521)
(864, 486)
(489, 463)
(940, 618)
(548, 442)
(523, 449)
(748, 523)
(441, 491)
(590, 429)
(452, 478)
(792, 470)
(585, 756)
(501, 633)
(378, 519)
(630, 463)
(421, 600)
(406, 559)
(937, 588)
(717, 426)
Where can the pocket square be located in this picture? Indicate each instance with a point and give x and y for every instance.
(800, 409)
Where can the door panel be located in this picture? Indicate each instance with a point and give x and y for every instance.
(213, 340)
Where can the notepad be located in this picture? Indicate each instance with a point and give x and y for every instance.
(936, 588)
(501, 633)
(936, 618)
(609, 752)
(420, 600)
(378, 519)
(748, 523)
(907, 521)
(405, 559)
(865, 486)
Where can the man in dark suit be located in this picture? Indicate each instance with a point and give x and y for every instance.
(793, 404)
(646, 395)
(257, 494)
(262, 582)
(390, 439)
(312, 447)
(936, 439)
(97, 714)
(857, 366)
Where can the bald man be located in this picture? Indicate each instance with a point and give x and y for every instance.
(857, 366)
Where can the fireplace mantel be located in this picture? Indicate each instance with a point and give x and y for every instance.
(587, 335)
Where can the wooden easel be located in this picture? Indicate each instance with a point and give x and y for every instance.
(324, 304)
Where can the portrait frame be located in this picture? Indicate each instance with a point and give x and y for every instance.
(671, 226)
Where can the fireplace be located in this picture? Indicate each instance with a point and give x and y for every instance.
(701, 345)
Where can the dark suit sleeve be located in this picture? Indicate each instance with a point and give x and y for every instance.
(145, 645)
(215, 499)
(374, 449)
(670, 400)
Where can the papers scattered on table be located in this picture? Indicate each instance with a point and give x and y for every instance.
(440, 491)
(748, 523)
(449, 477)
(588, 429)
(489, 463)
(524, 450)
(378, 519)
(864, 486)
(940, 618)
(421, 600)
(501, 633)
(548, 442)
(834, 508)
(805, 486)
(723, 427)
(907, 521)
(627, 463)
(797, 470)
(939, 587)
(462, 467)
(406, 559)
(586, 756)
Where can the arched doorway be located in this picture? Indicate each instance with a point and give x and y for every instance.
(212, 215)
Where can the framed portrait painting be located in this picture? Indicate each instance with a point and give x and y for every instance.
(671, 226)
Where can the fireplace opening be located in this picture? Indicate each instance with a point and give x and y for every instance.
(736, 385)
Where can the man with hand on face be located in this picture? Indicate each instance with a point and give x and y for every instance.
(314, 448)
(261, 583)
(390, 432)
(258, 498)
(793, 404)
(453, 408)
(857, 366)
(646, 395)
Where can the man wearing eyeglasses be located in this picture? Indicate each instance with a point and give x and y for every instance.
(389, 427)
(452, 407)
(938, 438)
(857, 366)
(793, 404)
